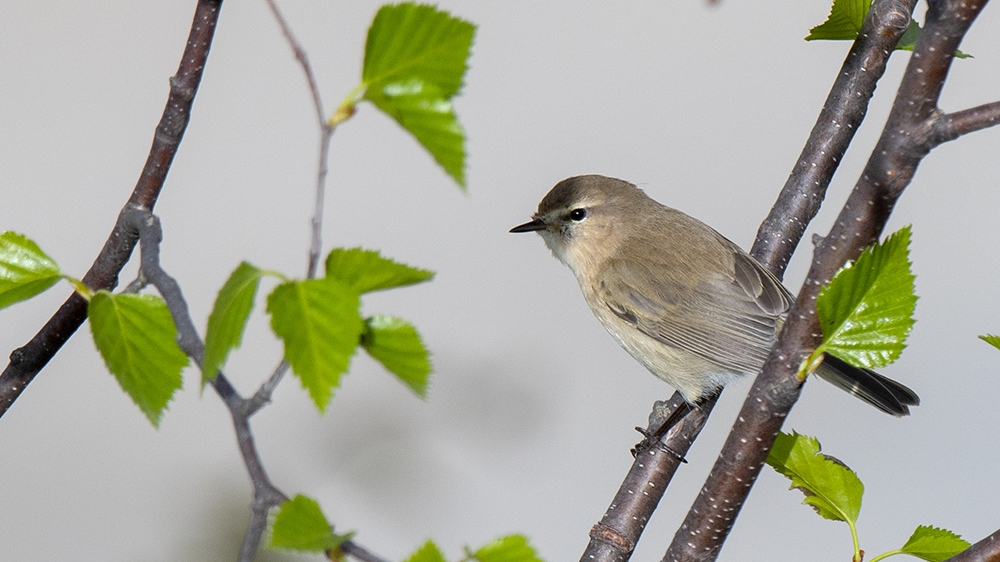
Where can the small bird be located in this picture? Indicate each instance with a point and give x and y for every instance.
(688, 304)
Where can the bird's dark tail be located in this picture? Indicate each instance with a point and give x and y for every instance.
(882, 392)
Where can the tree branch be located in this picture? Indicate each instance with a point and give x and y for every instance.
(845, 108)
(266, 495)
(799, 201)
(906, 139)
(326, 132)
(953, 125)
(27, 361)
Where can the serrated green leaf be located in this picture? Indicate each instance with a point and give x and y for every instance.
(992, 340)
(844, 21)
(25, 270)
(831, 488)
(512, 548)
(413, 42)
(136, 337)
(866, 312)
(301, 525)
(427, 553)
(368, 271)
(229, 318)
(415, 61)
(934, 544)
(318, 321)
(396, 344)
(419, 109)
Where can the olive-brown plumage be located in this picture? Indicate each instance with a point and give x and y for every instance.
(691, 306)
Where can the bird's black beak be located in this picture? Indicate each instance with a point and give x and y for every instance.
(537, 224)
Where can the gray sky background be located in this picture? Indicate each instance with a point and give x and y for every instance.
(529, 420)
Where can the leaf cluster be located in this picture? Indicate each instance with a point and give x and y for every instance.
(319, 321)
(135, 334)
(834, 491)
(300, 525)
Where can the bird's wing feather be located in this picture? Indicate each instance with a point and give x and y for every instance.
(742, 302)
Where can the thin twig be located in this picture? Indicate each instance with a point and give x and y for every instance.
(326, 132)
(906, 139)
(953, 125)
(263, 394)
(28, 360)
(266, 495)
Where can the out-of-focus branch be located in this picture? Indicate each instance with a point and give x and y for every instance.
(799, 201)
(326, 129)
(263, 394)
(908, 136)
(266, 495)
(326, 132)
(28, 360)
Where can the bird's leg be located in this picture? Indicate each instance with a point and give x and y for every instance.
(653, 437)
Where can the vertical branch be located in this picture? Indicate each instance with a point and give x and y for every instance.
(27, 361)
(325, 131)
(907, 137)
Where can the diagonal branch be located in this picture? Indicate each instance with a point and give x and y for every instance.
(27, 361)
(799, 201)
(907, 137)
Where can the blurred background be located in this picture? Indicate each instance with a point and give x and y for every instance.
(529, 420)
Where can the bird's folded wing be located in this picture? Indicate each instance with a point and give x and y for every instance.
(729, 319)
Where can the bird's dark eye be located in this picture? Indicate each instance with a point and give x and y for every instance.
(578, 214)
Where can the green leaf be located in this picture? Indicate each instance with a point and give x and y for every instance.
(512, 548)
(844, 21)
(229, 318)
(933, 544)
(415, 61)
(429, 118)
(396, 344)
(135, 335)
(909, 38)
(301, 525)
(427, 553)
(319, 322)
(831, 488)
(367, 271)
(25, 270)
(866, 311)
(992, 340)
(412, 42)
